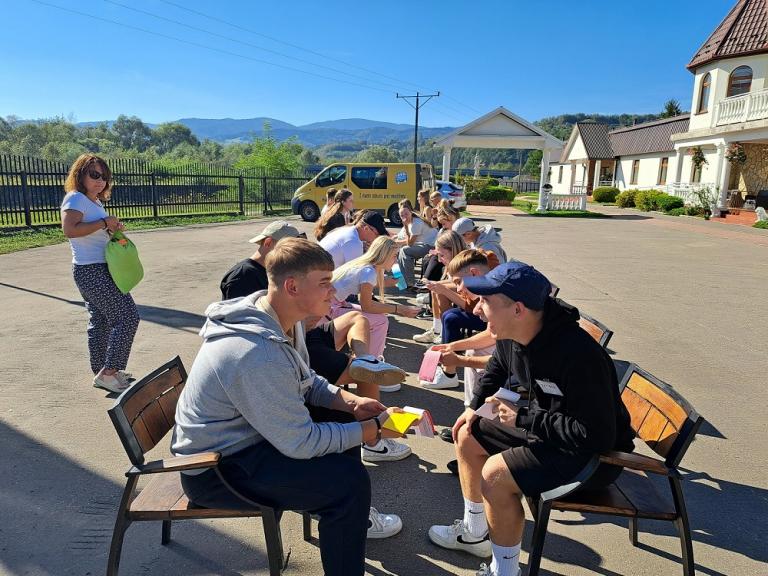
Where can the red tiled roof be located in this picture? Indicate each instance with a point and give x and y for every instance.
(743, 31)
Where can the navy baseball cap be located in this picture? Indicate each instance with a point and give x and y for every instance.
(516, 280)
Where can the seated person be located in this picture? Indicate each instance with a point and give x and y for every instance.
(433, 266)
(417, 238)
(485, 238)
(575, 412)
(249, 275)
(348, 242)
(338, 215)
(329, 194)
(457, 319)
(283, 432)
(447, 246)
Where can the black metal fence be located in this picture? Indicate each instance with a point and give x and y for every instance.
(31, 190)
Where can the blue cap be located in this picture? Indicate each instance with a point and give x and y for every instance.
(515, 280)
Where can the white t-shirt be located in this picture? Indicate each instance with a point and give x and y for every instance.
(87, 249)
(351, 282)
(420, 232)
(343, 244)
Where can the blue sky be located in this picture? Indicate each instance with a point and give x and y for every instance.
(535, 58)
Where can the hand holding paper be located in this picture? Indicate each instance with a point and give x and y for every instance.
(492, 404)
(400, 422)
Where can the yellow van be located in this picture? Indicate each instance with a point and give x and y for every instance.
(374, 186)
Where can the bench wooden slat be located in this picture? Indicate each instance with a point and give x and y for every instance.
(637, 406)
(640, 491)
(656, 396)
(150, 392)
(652, 427)
(608, 500)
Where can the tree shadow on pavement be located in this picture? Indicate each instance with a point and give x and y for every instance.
(179, 319)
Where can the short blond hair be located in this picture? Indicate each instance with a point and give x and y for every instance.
(295, 257)
(466, 259)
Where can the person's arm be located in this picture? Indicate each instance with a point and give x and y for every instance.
(447, 289)
(452, 359)
(368, 304)
(494, 377)
(73, 226)
(475, 342)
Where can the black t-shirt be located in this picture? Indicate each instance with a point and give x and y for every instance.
(244, 278)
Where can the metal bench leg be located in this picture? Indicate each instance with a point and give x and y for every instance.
(166, 537)
(539, 534)
(121, 525)
(633, 531)
(307, 523)
(274, 540)
(683, 528)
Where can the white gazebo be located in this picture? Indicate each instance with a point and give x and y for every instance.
(502, 129)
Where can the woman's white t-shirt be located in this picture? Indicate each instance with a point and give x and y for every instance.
(350, 283)
(420, 231)
(87, 249)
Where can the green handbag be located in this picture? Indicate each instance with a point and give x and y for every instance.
(123, 262)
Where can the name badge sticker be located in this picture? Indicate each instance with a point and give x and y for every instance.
(549, 387)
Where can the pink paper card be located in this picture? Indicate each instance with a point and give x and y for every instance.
(429, 365)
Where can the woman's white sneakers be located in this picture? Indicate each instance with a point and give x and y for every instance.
(382, 525)
(110, 383)
(385, 450)
(441, 381)
(428, 337)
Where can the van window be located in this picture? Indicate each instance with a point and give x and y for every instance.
(370, 177)
(331, 176)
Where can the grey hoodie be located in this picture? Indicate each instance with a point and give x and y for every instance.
(489, 239)
(249, 385)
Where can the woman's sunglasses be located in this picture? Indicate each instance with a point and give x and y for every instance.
(94, 175)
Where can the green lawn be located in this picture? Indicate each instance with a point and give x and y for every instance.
(763, 225)
(21, 239)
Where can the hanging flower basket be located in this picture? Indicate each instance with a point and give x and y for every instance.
(735, 154)
(698, 157)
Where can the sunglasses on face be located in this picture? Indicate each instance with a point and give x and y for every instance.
(95, 175)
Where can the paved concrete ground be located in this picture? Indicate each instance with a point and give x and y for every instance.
(686, 300)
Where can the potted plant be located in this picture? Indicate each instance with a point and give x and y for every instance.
(698, 157)
(735, 153)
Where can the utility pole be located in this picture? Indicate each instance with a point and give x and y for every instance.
(416, 107)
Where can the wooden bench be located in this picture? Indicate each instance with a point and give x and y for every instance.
(667, 424)
(597, 330)
(142, 417)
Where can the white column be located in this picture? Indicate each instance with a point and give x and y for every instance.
(723, 176)
(679, 166)
(543, 180)
(596, 179)
(446, 163)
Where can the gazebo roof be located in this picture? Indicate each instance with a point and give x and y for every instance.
(500, 128)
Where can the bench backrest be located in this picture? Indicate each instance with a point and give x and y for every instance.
(146, 411)
(660, 416)
(597, 330)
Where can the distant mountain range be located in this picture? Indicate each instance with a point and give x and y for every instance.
(315, 134)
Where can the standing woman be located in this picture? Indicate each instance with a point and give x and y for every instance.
(113, 316)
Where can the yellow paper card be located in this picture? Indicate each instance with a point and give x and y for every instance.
(400, 421)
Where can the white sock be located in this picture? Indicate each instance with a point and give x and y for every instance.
(437, 326)
(474, 519)
(506, 560)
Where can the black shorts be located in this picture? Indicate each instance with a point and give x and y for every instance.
(536, 468)
(323, 356)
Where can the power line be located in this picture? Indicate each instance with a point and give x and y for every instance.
(416, 123)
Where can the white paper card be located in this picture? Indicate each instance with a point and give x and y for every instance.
(488, 410)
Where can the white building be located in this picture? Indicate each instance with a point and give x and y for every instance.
(729, 107)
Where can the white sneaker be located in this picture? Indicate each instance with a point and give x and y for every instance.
(423, 299)
(441, 381)
(125, 378)
(383, 525)
(390, 388)
(485, 570)
(372, 370)
(456, 537)
(385, 450)
(110, 383)
(428, 337)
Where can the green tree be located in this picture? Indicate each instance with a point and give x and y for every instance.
(168, 136)
(132, 133)
(671, 108)
(267, 154)
(378, 153)
(533, 163)
(308, 158)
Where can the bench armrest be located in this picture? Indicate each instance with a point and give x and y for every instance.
(636, 462)
(177, 463)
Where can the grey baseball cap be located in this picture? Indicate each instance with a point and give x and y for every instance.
(463, 225)
(277, 231)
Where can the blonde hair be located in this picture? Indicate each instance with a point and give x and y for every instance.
(466, 259)
(295, 257)
(452, 241)
(77, 172)
(380, 251)
(435, 195)
(445, 210)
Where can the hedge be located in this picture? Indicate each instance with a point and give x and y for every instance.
(605, 194)
(626, 199)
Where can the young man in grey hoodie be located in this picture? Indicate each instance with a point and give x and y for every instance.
(287, 437)
(485, 238)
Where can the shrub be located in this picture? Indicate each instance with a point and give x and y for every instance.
(511, 195)
(605, 194)
(493, 193)
(678, 211)
(647, 200)
(666, 202)
(626, 199)
(493, 182)
(762, 224)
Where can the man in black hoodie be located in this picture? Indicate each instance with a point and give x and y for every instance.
(575, 412)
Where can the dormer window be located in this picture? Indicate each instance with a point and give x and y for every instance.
(740, 81)
(704, 94)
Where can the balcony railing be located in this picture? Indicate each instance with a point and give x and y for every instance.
(742, 108)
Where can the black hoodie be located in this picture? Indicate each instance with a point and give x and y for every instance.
(589, 417)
